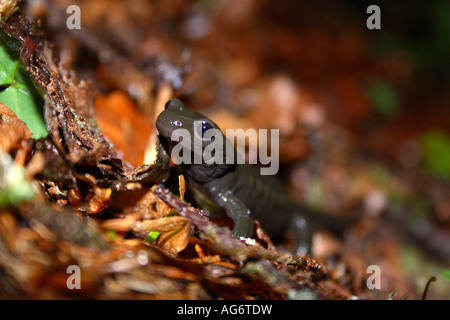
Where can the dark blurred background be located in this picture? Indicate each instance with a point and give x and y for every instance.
(364, 115)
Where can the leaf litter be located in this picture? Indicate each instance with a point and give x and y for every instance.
(97, 202)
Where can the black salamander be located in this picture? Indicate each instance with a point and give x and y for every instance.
(239, 189)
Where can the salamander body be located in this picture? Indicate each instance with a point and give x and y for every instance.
(238, 189)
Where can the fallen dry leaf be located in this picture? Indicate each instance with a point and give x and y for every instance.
(175, 232)
(164, 224)
(121, 122)
(175, 241)
(182, 186)
(7, 8)
(12, 129)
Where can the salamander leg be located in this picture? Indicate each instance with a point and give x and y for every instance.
(239, 213)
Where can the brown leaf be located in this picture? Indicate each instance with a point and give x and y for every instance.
(7, 8)
(174, 230)
(124, 224)
(176, 240)
(162, 209)
(95, 204)
(12, 129)
(182, 186)
(127, 128)
(164, 224)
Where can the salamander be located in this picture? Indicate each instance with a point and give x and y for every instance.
(238, 188)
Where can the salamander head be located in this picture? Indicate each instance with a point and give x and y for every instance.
(186, 129)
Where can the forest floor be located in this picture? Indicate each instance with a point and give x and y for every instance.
(363, 118)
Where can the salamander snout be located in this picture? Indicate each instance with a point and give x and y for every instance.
(174, 104)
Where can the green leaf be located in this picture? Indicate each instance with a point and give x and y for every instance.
(20, 94)
(446, 274)
(24, 100)
(9, 58)
(436, 152)
(383, 97)
(111, 234)
(152, 236)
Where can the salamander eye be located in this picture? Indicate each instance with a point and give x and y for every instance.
(206, 126)
(201, 128)
(176, 123)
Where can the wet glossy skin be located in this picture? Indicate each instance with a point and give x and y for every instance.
(237, 188)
